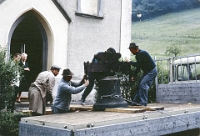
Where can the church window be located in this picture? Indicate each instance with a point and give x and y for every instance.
(90, 8)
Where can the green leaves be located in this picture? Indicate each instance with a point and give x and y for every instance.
(9, 122)
(9, 70)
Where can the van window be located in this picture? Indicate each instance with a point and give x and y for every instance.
(188, 72)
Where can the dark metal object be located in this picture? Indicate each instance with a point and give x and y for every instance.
(109, 93)
(107, 65)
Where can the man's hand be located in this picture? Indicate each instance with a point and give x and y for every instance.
(85, 76)
(27, 69)
(132, 78)
(127, 61)
(86, 82)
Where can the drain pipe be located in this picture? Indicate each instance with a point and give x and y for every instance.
(120, 27)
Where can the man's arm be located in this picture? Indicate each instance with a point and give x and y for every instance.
(51, 84)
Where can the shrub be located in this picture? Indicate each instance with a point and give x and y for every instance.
(9, 123)
(8, 120)
(8, 75)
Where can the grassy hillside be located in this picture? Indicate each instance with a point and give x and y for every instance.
(182, 29)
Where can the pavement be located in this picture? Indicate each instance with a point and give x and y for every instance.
(24, 105)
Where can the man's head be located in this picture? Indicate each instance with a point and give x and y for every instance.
(133, 48)
(111, 50)
(17, 57)
(67, 74)
(55, 69)
(24, 56)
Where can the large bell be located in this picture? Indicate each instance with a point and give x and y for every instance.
(109, 94)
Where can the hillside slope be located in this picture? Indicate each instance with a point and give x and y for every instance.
(181, 28)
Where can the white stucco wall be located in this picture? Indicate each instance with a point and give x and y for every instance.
(71, 44)
(126, 28)
(88, 36)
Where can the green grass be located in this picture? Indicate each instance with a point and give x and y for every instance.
(181, 29)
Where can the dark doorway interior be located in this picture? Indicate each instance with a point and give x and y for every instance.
(28, 36)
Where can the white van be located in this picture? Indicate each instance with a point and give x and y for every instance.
(185, 69)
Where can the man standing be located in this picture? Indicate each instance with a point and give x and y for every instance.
(145, 63)
(23, 83)
(94, 76)
(38, 90)
(16, 81)
(65, 88)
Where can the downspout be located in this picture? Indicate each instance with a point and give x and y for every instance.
(156, 79)
(120, 27)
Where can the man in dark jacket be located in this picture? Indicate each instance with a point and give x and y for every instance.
(145, 63)
(94, 76)
(67, 87)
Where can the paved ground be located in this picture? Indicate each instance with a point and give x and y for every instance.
(25, 105)
(167, 107)
(75, 100)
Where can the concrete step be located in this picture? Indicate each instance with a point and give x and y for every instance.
(24, 97)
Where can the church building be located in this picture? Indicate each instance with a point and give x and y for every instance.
(64, 32)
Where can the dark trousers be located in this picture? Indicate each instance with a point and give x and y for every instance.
(11, 104)
(92, 77)
(89, 87)
(143, 87)
(56, 110)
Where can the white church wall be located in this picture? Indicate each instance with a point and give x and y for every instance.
(126, 28)
(71, 44)
(88, 35)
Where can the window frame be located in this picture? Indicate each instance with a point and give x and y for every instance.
(99, 10)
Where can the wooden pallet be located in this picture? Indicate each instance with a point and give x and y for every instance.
(134, 109)
(129, 109)
(126, 110)
(149, 108)
(74, 108)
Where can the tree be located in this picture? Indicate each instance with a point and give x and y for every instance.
(173, 49)
(152, 8)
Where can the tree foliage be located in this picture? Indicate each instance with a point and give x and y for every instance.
(9, 121)
(8, 75)
(173, 49)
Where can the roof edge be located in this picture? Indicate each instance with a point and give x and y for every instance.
(64, 13)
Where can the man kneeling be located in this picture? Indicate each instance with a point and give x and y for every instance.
(67, 87)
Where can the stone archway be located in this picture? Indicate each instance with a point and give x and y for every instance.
(30, 37)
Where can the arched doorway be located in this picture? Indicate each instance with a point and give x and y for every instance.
(30, 37)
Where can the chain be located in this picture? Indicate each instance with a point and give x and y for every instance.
(111, 96)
